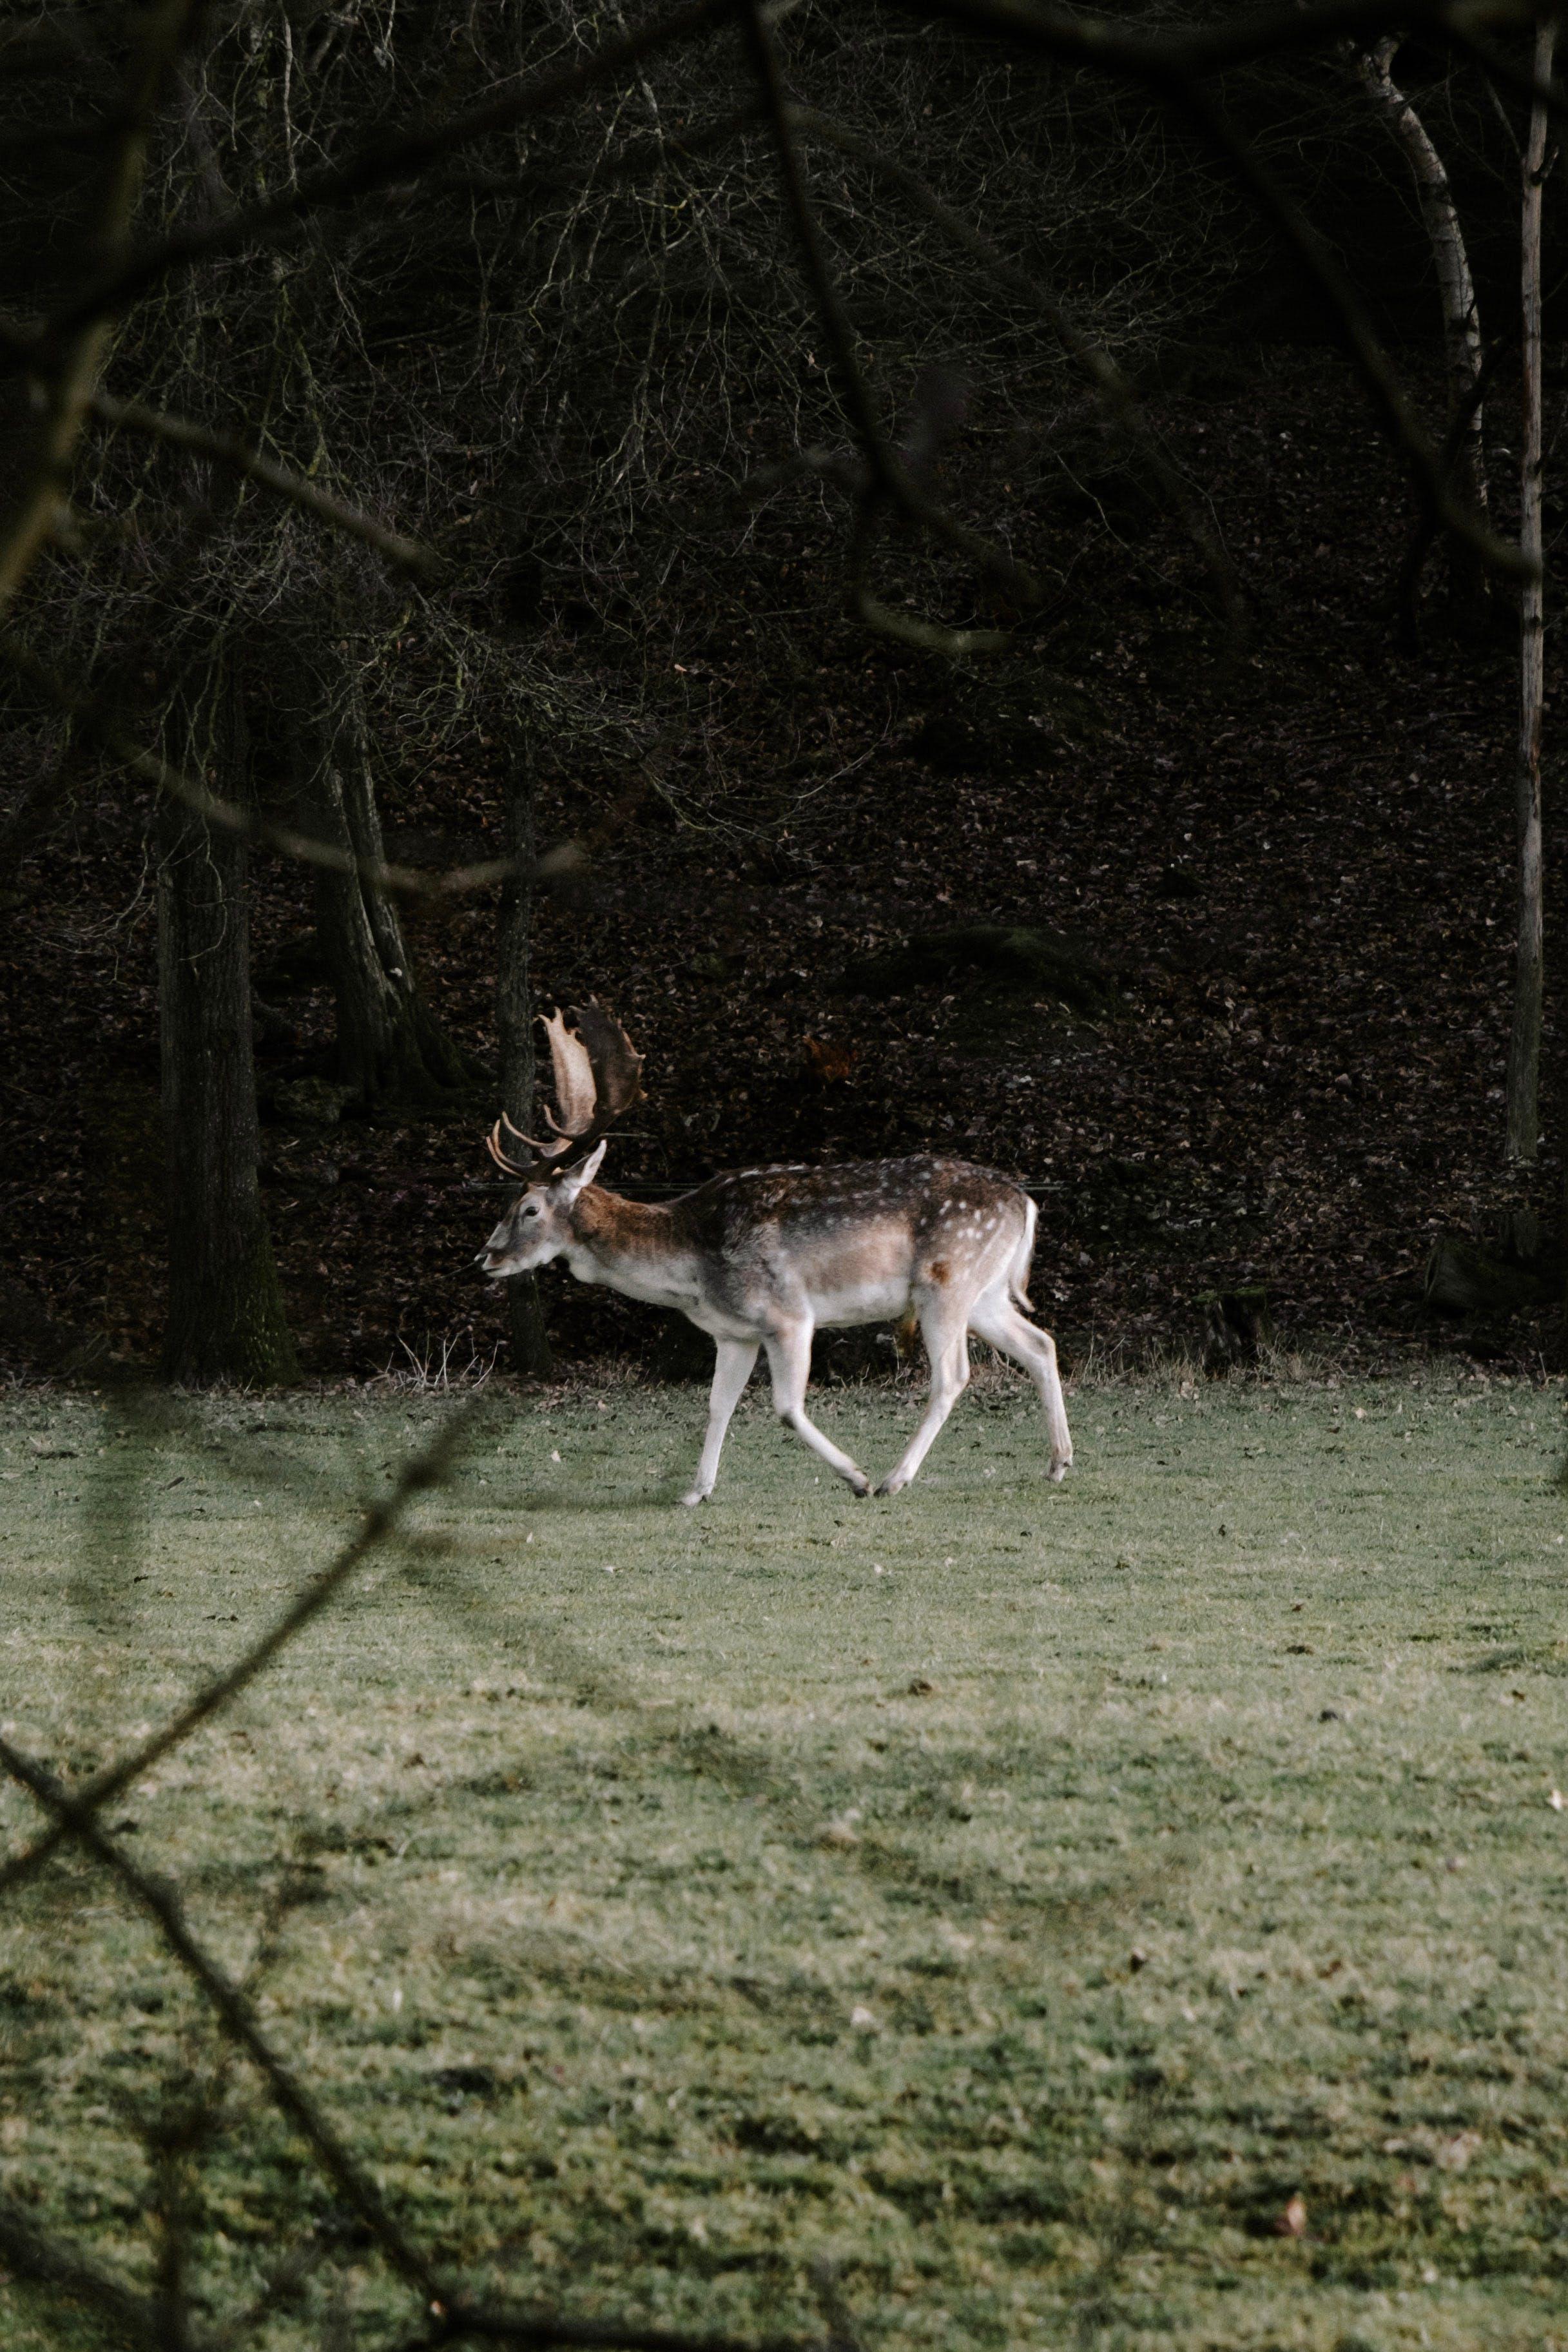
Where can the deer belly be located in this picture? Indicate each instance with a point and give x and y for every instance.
(874, 1301)
(860, 1274)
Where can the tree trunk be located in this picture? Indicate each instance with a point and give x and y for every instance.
(1461, 317)
(514, 1025)
(226, 1319)
(391, 1047)
(1524, 1046)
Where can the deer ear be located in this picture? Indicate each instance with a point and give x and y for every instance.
(577, 1179)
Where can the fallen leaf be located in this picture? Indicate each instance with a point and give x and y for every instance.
(832, 1064)
(1292, 2222)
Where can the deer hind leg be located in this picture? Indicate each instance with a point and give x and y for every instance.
(790, 1362)
(731, 1371)
(994, 1318)
(948, 1346)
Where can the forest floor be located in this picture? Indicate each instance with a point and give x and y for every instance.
(1132, 1911)
(1284, 870)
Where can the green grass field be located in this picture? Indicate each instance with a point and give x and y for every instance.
(1016, 1896)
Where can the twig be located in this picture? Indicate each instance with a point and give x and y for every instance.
(227, 449)
(1493, 67)
(455, 2317)
(890, 479)
(1171, 67)
(1108, 379)
(70, 365)
(1431, 485)
(384, 164)
(76, 1818)
(905, 627)
(1089, 40)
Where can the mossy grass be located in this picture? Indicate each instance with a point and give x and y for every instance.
(1017, 1896)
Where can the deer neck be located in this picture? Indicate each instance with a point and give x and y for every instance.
(631, 1246)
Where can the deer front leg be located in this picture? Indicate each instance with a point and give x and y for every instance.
(732, 1370)
(790, 1362)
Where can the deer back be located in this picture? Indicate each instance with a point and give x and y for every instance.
(851, 1243)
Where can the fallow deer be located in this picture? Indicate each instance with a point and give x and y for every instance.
(762, 1258)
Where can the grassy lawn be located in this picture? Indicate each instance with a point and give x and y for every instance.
(1016, 1895)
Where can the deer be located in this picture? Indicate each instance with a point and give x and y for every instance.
(765, 1257)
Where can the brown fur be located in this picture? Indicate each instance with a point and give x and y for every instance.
(603, 1220)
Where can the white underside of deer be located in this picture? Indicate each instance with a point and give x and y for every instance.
(765, 1258)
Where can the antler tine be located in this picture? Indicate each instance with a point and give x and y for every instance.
(544, 1150)
(493, 1146)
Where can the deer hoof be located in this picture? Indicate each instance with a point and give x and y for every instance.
(698, 1495)
(892, 1484)
(1059, 1471)
(858, 1482)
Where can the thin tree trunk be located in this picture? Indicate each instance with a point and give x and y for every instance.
(226, 1319)
(1461, 317)
(1524, 1047)
(391, 1047)
(515, 1026)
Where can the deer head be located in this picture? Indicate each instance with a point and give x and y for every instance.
(598, 1077)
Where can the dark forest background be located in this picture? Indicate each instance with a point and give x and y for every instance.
(1119, 790)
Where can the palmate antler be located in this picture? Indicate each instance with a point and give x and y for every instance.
(598, 1076)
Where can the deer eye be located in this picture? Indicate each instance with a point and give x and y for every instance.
(531, 1210)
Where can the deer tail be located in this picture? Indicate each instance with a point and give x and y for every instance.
(1018, 1273)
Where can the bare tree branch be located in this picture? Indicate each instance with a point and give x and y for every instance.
(408, 881)
(1097, 363)
(1172, 67)
(1432, 484)
(76, 356)
(75, 1818)
(227, 449)
(422, 1471)
(1246, 39)
(385, 162)
(890, 478)
(456, 2317)
(28, 2253)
